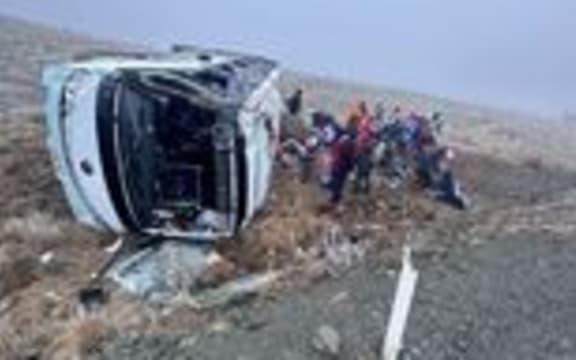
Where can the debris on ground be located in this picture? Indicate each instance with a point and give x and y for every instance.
(47, 257)
(162, 271)
(233, 291)
(342, 251)
(340, 297)
(327, 341)
(219, 327)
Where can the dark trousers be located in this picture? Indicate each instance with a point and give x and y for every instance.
(337, 182)
(363, 170)
(448, 191)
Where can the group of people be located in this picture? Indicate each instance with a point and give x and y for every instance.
(401, 145)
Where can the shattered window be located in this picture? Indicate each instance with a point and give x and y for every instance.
(172, 83)
(136, 151)
(212, 79)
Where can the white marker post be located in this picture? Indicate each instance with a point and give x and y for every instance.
(401, 308)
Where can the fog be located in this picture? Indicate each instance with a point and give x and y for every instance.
(512, 54)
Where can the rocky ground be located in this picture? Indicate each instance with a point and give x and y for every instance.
(496, 282)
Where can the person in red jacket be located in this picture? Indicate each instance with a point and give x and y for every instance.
(337, 156)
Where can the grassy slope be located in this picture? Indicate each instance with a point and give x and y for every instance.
(24, 47)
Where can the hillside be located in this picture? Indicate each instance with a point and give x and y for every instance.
(506, 264)
(24, 47)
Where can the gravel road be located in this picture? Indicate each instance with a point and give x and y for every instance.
(504, 294)
(508, 299)
(511, 298)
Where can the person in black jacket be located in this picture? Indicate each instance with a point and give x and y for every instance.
(294, 102)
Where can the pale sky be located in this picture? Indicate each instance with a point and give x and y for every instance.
(518, 54)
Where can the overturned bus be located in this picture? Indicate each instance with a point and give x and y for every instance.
(177, 145)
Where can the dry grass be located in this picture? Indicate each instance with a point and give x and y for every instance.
(292, 223)
(27, 182)
(35, 295)
(288, 222)
(38, 314)
(84, 334)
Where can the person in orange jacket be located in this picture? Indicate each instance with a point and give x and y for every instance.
(364, 133)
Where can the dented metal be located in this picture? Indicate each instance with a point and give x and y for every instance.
(171, 145)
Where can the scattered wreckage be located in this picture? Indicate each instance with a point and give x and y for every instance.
(168, 146)
(175, 146)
